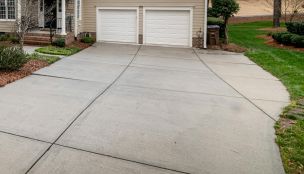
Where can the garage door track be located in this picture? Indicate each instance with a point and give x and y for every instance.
(129, 109)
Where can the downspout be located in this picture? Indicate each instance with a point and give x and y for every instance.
(75, 19)
(205, 24)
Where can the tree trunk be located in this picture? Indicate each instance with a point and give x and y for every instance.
(21, 42)
(277, 12)
(226, 37)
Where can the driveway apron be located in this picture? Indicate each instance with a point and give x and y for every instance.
(143, 109)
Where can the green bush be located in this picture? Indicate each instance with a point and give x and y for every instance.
(295, 27)
(219, 22)
(286, 38)
(14, 39)
(297, 41)
(4, 37)
(12, 58)
(278, 36)
(59, 42)
(89, 40)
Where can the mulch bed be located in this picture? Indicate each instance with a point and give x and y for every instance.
(31, 66)
(230, 47)
(271, 42)
(79, 44)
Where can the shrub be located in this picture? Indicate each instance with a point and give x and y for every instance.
(12, 58)
(224, 9)
(89, 40)
(14, 39)
(297, 41)
(219, 22)
(278, 36)
(295, 27)
(286, 38)
(59, 42)
(4, 37)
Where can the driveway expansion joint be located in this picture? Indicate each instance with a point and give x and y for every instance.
(43, 75)
(123, 159)
(26, 137)
(89, 104)
(203, 62)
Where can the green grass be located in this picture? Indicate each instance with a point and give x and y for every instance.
(288, 66)
(291, 142)
(49, 59)
(285, 64)
(57, 50)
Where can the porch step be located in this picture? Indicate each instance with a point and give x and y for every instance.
(37, 38)
(36, 42)
(39, 34)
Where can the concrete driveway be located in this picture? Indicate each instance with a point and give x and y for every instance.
(125, 109)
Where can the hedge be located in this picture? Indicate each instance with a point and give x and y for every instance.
(295, 27)
(287, 38)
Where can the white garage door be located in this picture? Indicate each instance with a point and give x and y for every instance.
(117, 25)
(167, 27)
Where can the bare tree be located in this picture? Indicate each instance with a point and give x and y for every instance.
(27, 20)
(296, 8)
(290, 9)
(277, 13)
(50, 18)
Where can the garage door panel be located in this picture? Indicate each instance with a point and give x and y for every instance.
(117, 25)
(167, 27)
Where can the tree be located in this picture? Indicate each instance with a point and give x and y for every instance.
(291, 9)
(224, 9)
(27, 20)
(277, 12)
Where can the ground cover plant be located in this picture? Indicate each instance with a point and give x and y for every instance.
(53, 50)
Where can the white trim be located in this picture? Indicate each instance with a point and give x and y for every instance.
(7, 20)
(18, 11)
(205, 24)
(190, 9)
(118, 8)
(63, 23)
(75, 19)
(80, 9)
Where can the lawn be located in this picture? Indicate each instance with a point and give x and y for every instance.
(48, 59)
(58, 50)
(288, 66)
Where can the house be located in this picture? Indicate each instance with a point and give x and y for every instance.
(151, 22)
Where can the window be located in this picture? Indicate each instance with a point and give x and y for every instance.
(79, 9)
(7, 9)
(60, 6)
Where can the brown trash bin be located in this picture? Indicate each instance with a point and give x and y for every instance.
(213, 37)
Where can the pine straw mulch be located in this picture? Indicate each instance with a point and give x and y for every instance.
(271, 42)
(79, 44)
(231, 47)
(31, 66)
